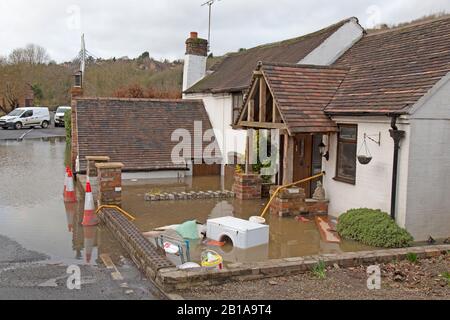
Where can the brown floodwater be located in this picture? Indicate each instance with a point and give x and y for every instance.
(288, 237)
(32, 210)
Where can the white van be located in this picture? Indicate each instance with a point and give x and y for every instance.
(59, 115)
(26, 117)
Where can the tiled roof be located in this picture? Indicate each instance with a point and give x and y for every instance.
(234, 73)
(136, 132)
(391, 70)
(302, 92)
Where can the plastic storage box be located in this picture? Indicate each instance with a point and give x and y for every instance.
(244, 234)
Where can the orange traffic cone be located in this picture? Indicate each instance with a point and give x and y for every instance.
(65, 179)
(90, 234)
(69, 194)
(89, 217)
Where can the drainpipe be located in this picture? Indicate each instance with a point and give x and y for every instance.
(397, 136)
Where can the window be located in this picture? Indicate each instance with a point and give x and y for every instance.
(238, 100)
(27, 114)
(346, 153)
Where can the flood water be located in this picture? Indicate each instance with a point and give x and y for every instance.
(32, 210)
(288, 237)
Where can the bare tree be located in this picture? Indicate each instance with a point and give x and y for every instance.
(31, 54)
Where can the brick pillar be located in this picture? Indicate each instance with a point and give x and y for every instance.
(247, 186)
(288, 202)
(74, 93)
(91, 161)
(109, 179)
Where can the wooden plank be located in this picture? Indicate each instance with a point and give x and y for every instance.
(262, 100)
(275, 114)
(251, 110)
(288, 160)
(263, 125)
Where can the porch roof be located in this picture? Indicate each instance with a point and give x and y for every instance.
(301, 93)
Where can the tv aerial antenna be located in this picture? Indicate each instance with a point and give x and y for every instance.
(209, 3)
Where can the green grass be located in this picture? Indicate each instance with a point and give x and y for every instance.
(412, 257)
(446, 275)
(319, 270)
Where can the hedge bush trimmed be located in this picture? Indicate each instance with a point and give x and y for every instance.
(373, 228)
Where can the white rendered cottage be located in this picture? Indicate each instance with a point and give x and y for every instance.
(331, 94)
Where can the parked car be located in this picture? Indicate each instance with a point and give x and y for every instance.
(26, 117)
(59, 115)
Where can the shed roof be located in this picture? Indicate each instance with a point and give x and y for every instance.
(137, 132)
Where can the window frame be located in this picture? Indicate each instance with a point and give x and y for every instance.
(338, 141)
(234, 107)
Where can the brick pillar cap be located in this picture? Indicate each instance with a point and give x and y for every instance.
(97, 158)
(109, 165)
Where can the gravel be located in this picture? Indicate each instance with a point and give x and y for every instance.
(399, 281)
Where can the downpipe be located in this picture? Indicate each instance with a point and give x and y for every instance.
(397, 136)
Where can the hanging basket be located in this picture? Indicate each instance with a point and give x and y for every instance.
(364, 159)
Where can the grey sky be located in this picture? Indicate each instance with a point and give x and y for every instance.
(128, 28)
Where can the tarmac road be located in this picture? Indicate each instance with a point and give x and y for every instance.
(25, 275)
(35, 133)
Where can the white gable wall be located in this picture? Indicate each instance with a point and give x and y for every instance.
(336, 45)
(428, 206)
(194, 70)
(219, 108)
(373, 181)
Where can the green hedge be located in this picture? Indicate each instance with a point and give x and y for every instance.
(68, 125)
(373, 228)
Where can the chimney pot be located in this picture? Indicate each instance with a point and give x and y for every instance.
(196, 46)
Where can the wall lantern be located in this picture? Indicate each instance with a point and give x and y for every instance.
(78, 79)
(323, 151)
(366, 157)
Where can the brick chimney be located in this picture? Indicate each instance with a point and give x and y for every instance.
(75, 92)
(195, 60)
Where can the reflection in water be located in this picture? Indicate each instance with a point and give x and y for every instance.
(32, 210)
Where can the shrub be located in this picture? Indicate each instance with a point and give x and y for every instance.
(373, 228)
(68, 125)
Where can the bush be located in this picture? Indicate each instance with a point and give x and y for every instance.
(373, 228)
(68, 125)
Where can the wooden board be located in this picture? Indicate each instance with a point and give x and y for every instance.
(324, 228)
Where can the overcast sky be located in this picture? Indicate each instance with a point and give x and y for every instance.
(116, 28)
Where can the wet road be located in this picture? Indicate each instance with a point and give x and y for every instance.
(40, 236)
(35, 133)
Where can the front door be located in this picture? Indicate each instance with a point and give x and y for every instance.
(303, 160)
